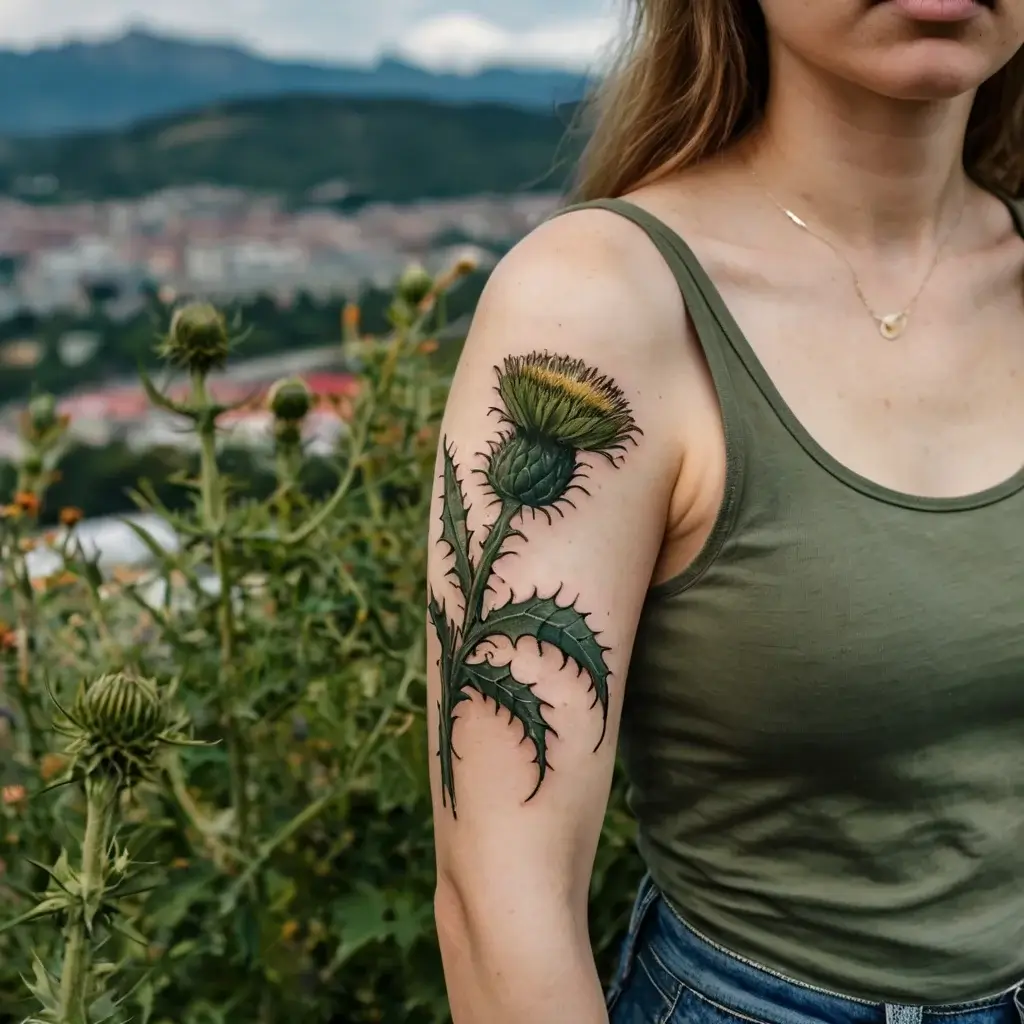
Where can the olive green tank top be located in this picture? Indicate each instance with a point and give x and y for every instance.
(824, 720)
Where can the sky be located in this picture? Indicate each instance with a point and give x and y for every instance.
(435, 33)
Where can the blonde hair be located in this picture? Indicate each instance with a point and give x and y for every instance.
(692, 78)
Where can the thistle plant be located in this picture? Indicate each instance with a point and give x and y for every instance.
(200, 341)
(291, 623)
(554, 410)
(290, 402)
(116, 728)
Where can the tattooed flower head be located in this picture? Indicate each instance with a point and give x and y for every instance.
(566, 401)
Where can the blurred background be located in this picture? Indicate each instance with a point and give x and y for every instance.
(240, 245)
(280, 158)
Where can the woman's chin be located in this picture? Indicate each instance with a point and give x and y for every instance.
(930, 70)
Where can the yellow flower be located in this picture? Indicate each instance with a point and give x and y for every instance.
(565, 400)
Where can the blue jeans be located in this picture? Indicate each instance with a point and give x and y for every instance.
(668, 974)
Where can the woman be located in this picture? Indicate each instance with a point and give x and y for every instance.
(775, 470)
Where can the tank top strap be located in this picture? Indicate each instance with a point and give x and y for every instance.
(717, 332)
(1016, 208)
(711, 318)
(714, 325)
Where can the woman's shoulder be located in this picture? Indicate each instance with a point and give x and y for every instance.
(590, 270)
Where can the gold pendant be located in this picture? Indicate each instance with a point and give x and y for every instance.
(891, 326)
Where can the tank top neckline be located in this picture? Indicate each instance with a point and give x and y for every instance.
(737, 341)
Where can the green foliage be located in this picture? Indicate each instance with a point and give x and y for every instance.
(383, 149)
(273, 860)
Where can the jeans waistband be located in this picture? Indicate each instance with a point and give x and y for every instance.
(764, 996)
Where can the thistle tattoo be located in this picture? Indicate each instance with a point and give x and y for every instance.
(553, 410)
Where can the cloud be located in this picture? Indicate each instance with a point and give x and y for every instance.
(429, 31)
(465, 42)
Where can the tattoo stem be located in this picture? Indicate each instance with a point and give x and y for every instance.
(451, 694)
(496, 538)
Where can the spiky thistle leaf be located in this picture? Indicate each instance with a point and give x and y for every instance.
(563, 627)
(450, 697)
(496, 682)
(454, 524)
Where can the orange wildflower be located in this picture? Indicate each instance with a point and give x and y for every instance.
(429, 346)
(26, 544)
(289, 930)
(51, 765)
(70, 516)
(13, 795)
(350, 317)
(27, 502)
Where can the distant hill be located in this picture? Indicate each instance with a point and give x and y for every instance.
(79, 86)
(365, 149)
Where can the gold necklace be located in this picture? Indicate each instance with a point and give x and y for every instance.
(890, 325)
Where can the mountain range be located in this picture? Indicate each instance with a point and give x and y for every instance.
(306, 148)
(80, 86)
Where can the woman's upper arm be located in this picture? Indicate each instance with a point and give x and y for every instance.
(555, 469)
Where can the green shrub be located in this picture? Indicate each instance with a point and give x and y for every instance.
(215, 794)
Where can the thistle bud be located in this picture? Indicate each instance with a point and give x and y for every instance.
(290, 400)
(465, 265)
(535, 472)
(42, 413)
(415, 284)
(117, 723)
(198, 338)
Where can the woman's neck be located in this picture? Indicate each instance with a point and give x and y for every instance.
(874, 172)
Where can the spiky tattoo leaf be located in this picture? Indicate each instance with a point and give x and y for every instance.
(561, 626)
(496, 683)
(445, 708)
(454, 525)
(444, 630)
